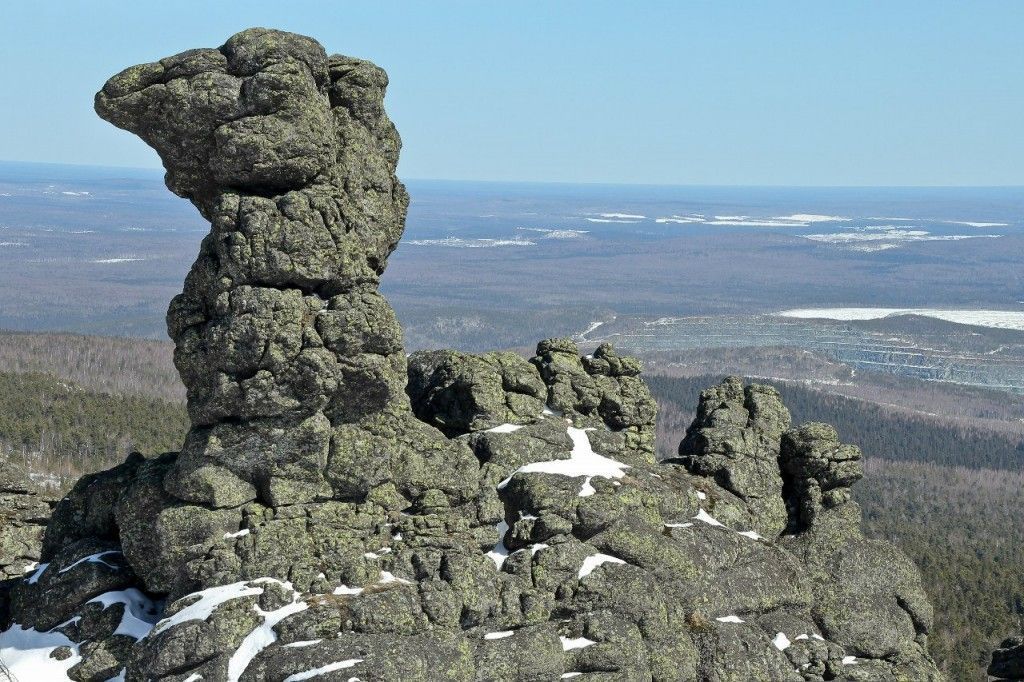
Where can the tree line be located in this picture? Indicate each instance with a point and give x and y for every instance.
(60, 431)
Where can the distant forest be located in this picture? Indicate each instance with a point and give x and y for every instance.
(103, 364)
(60, 431)
(965, 529)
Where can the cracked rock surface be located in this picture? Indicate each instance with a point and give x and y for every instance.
(24, 512)
(342, 512)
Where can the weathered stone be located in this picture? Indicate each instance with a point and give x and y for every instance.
(459, 392)
(735, 440)
(1008, 660)
(24, 512)
(818, 471)
(339, 511)
(64, 583)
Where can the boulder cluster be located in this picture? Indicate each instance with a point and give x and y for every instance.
(340, 511)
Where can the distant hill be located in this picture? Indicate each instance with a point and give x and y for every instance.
(103, 364)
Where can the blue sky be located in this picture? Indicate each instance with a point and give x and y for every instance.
(791, 93)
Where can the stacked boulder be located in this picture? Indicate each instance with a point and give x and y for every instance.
(341, 511)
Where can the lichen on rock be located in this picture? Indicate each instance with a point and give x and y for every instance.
(24, 512)
(340, 509)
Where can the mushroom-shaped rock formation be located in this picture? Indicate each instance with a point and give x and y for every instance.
(340, 511)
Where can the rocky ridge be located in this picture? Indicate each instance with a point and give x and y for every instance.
(1008, 660)
(342, 511)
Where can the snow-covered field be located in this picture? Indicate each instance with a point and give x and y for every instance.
(884, 237)
(998, 319)
(26, 653)
(459, 243)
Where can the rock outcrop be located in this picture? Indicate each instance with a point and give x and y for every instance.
(341, 511)
(24, 512)
(1008, 660)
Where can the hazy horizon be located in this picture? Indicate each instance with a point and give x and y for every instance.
(795, 94)
(159, 170)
